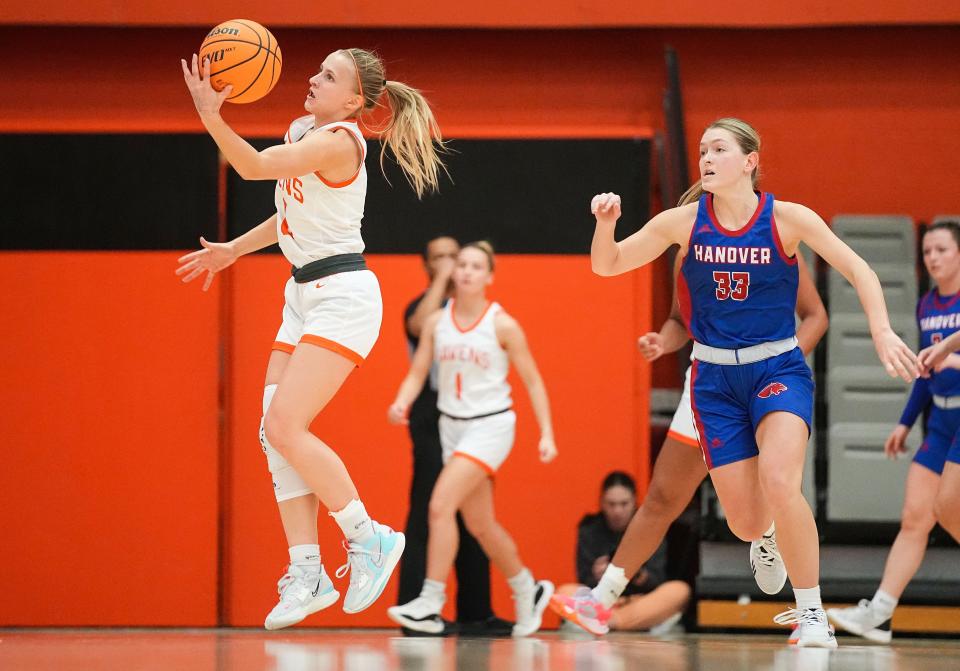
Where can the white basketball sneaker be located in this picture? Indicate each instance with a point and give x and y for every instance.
(421, 615)
(815, 631)
(530, 606)
(862, 620)
(302, 592)
(370, 564)
(766, 564)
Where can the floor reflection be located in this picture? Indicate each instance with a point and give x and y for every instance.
(353, 650)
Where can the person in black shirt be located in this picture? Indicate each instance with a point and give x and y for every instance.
(649, 599)
(474, 613)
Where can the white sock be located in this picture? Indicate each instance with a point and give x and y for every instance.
(521, 583)
(435, 592)
(808, 598)
(305, 556)
(354, 522)
(883, 604)
(611, 586)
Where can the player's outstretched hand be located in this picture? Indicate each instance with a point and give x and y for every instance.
(214, 257)
(896, 442)
(650, 346)
(548, 450)
(606, 208)
(397, 413)
(197, 76)
(898, 359)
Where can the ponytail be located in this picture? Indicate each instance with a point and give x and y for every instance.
(691, 195)
(412, 133)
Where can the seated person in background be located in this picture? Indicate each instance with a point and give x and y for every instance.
(649, 599)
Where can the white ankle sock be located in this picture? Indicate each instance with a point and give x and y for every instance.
(883, 604)
(306, 556)
(434, 591)
(611, 586)
(522, 582)
(354, 521)
(808, 598)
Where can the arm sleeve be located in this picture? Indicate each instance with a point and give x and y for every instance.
(920, 396)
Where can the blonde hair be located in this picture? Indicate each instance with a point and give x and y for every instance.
(484, 247)
(749, 141)
(412, 133)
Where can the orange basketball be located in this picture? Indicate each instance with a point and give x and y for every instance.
(245, 55)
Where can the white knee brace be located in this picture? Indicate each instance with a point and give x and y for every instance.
(287, 483)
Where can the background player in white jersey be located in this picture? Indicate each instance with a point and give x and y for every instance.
(332, 310)
(473, 340)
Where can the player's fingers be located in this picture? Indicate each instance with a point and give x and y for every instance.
(191, 255)
(186, 70)
(207, 282)
(186, 267)
(901, 368)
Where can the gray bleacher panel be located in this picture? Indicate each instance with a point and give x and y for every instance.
(899, 282)
(863, 484)
(865, 394)
(849, 342)
(878, 238)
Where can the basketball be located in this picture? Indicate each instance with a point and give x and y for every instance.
(245, 55)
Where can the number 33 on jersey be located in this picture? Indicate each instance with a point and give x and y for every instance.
(737, 288)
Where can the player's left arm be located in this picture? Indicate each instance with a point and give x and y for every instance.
(796, 224)
(514, 341)
(813, 315)
(318, 152)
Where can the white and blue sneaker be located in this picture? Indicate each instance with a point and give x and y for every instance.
(370, 565)
(303, 591)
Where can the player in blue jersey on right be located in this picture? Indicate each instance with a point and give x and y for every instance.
(938, 316)
(751, 391)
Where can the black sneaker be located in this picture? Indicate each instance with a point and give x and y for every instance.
(449, 629)
(492, 627)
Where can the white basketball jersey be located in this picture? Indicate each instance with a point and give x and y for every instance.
(471, 365)
(317, 218)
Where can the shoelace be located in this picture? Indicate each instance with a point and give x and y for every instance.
(284, 582)
(801, 616)
(354, 552)
(768, 553)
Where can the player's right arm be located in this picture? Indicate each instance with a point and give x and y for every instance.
(673, 334)
(419, 369)
(932, 357)
(215, 256)
(433, 299)
(609, 257)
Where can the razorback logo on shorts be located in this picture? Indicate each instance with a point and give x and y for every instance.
(772, 389)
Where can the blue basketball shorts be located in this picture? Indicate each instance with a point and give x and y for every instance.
(729, 401)
(942, 426)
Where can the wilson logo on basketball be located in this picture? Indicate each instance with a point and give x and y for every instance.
(772, 389)
(223, 31)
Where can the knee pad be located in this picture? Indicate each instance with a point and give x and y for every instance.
(287, 483)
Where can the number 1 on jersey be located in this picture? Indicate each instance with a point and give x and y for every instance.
(458, 381)
(732, 285)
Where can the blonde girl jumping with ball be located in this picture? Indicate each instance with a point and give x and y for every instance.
(332, 307)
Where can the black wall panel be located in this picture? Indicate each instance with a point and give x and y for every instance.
(107, 191)
(525, 196)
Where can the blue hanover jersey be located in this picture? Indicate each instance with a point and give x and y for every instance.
(737, 288)
(939, 317)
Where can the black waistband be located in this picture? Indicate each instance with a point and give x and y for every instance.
(489, 414)
(341, 263)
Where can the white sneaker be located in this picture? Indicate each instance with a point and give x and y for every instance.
(766, 564)
(862, 621)
(370, 565)
(815, 631)
(530, 606)
(420, 615)
(302, 592)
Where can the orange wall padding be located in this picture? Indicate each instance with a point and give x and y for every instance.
(491, 14)
(108, 488)
(112, 426)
